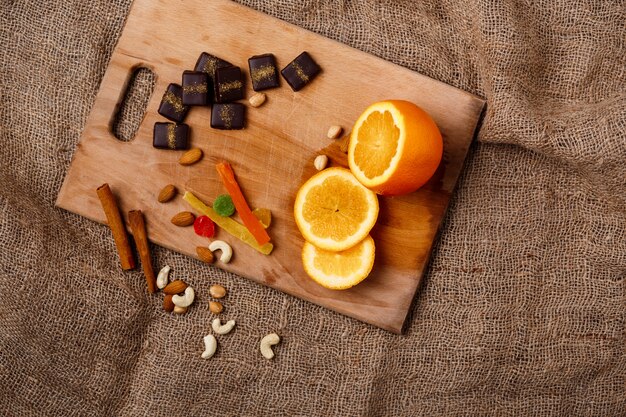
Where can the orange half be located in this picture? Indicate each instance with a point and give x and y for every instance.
(395, 147)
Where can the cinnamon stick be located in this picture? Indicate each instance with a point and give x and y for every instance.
(138, 229)
(114, 219)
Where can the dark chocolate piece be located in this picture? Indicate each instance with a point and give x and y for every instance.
(172, 104)
(170, 136)
(228, 84)
(300, 71)
(209, 63)
(228, 116)
(195, 88)
(263, 72)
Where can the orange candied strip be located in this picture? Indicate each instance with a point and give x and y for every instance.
(249, 220)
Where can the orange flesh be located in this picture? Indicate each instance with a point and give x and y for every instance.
(339, 263)
(335, 209)
(377, 141)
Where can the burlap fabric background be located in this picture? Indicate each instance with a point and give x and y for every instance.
(523, 310)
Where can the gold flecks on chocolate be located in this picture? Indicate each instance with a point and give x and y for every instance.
(300, 72)
(226, 114)
(210, 66)
(171, 136)
(264, 72)
(174, 101)
(195, 89)
(231, 85)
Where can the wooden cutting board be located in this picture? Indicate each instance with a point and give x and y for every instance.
(274, 155)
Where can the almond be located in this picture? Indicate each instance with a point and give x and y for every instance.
(167, 193)
(168, 304)
(191, 156)
(175, 287)
(205, 254)
(183, 219)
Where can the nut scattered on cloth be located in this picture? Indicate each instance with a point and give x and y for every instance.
(522, 309)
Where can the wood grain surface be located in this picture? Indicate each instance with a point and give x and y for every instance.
(274, 155)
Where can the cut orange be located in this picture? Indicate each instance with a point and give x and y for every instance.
(334, 211)
(395, 147)
(339, 270)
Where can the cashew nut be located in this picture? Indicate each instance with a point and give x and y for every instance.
(210, 346)
(179, 310)
(184, 300)
(163, 277)
(266, 345)
(220, 328)
(227, 251)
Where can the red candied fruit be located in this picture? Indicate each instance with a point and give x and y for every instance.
(203, 226)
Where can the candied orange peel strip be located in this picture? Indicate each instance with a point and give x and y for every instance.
(249, 220)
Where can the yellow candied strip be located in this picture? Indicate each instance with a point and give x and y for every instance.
(229, 225)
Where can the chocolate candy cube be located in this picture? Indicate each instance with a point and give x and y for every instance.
(300, 71)
(172, 104)
(228, 116)
(209, 63)
(263, 72)
(195, 88)
(228, 84)
(170, 136)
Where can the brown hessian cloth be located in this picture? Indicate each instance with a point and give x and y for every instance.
(523, 310)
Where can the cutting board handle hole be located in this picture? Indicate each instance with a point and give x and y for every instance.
(133, 104)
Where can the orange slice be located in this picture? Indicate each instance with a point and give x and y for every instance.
(395, 147)
(334, 211)
(339, 270)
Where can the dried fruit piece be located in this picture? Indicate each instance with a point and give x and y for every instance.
(191, 156)
(205, 254)
(204, 226)
(184, 219)
(167, 193)
(264, 215)
(227, 224)
(232, 186)
(175, 287)
(223, 205)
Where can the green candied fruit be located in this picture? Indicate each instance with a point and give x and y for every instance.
(224, 206)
